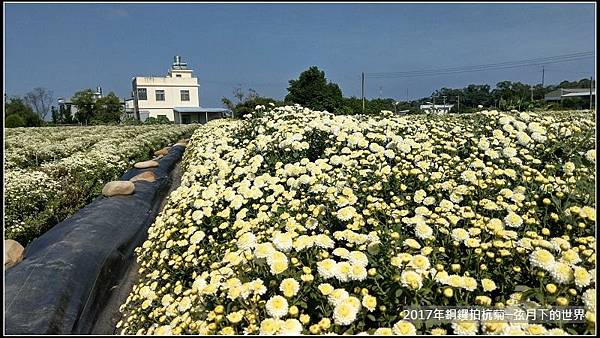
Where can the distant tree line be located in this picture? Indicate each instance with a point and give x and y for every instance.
(32, 109)
(312, 90)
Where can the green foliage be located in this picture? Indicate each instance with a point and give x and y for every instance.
(159, 120)
(22, 114)
(130, 121)
(108, 109)
(14, 121)
(84, 101)
(312, 90)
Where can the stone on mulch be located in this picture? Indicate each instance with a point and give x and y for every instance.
(13, 253)
(147, 176)
(162, 151)
(118, 188)
(146, 164)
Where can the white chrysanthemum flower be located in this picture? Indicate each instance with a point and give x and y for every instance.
(420, 263)
(488, 285)
(289, 287)
(423, 231)
(277, 306)
(291, 327)
(246, 241)
(557, 332)
(342, 271)
(283, 241)
(264, 250)
(590, 155)
(327, 268)
(411, 279)
(465, 328)
(589, 299)
(509, 152)
(542, 258)
(358, 258)
(460, 234)
(539, 137)
(341, 252)
(562, 273)
(345, 312)
(164, 330)
(535, 329)
(513, 220)
(357, 272)
(346, 213)
(336, 296)
(383, 331)
(582, 277)
(369, 302)
(569, 167)
(323, 241)
(197, 237)
(404, 328)
(523, 138)
(278, 262)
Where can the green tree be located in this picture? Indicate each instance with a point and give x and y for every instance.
(25, 116)
(14, 121)
(84, 101)
(108, 109)
(312, 90)
(56, 118)
(65, 113)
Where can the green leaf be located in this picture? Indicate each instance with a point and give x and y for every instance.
(521, 288)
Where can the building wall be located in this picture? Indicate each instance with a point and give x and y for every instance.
(172, 86)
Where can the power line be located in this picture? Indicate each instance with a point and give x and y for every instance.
(500, 64)
(549, 58)
(468, 71)
(494, 66)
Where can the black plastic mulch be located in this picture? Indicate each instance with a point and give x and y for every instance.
(67, 274)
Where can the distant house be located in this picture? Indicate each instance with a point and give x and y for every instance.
(560, 94)
(174, 96)
(436, 109)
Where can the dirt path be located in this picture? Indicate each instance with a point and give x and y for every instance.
(110, 315)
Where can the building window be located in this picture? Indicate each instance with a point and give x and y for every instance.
(185, 95)
(177, 75)
(142, 94)
(160, 95)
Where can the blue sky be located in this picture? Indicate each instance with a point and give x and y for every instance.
(68, 47)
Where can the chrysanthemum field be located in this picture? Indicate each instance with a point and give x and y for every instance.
(294, 221)
(51, 172)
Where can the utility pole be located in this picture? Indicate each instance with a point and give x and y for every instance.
(531, 88)
(380, 91)
(458, 103)
(363, 92)
(543, 71)
(591, 85)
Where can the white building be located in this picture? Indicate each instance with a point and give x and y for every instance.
(436, 109)
(561, 93)
(174, 96)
